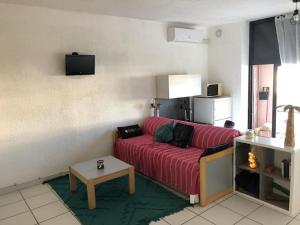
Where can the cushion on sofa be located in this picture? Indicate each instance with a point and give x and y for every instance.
(215, 149)
(182, 135)
(130, 131)
(151, 124)
(164, 134)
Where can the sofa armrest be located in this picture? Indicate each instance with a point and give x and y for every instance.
(115, 135)
(216, 176)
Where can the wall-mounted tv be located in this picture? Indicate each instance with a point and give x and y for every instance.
(80, 64)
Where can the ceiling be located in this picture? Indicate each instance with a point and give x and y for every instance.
(198, 12)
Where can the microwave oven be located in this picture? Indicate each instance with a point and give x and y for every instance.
(214, 90)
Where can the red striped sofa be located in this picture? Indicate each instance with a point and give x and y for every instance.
(180, 168)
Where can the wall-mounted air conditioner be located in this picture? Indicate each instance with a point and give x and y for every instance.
(176, 34)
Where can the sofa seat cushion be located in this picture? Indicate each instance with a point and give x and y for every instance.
(176, 167)
(129, 150)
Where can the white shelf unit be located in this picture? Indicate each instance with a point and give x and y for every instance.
(269, 151)
(212, 110)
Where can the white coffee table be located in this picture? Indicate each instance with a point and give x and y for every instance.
(88, 173)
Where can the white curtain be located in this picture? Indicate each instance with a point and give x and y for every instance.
(288, 79)
(288, 38)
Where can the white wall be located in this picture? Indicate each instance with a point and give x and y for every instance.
(228, 63)
(49, 120)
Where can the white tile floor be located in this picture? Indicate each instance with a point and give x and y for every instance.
(33, 206)
(41, 205)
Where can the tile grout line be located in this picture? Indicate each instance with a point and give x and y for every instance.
(281, 213)
(23, 198)
(213, 204)
(54, 217)
(58, 200)
(14, 215)
(29, 208)
(243, 217)
(19, 191)
(258, 206)
(253, 220)
(49, 203)
(232, 210)
(246, 217)
(204, 210)
(199, 215)
(45, 204)
(189, 219)
(293, 218)
(226, 198)
(11, 203)
(166, 221)
(207, 219)
(33, 196)
(65, 205)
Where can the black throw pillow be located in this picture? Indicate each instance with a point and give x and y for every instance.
(215, 149)
(130, 131)
(182, 135)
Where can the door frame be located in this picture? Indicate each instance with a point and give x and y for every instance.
(275, 61)
(274, 96)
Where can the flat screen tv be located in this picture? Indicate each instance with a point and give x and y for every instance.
(80, 64)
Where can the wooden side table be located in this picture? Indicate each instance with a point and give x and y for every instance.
(88, 173)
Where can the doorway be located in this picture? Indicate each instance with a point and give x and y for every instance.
(263, 99)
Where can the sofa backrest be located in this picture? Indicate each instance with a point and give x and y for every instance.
(206, 136)
(152, 123)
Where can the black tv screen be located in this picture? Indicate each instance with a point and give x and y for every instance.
(80, 64)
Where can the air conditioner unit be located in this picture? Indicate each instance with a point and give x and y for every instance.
(176, 34)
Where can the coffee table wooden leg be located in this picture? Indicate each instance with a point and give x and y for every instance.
(91, 195)
(131, 180)
(73, 181)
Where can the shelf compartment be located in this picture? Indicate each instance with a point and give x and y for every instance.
(278, 200)
(276, 174)
(245, 166)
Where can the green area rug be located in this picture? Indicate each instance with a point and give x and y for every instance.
(115, 206)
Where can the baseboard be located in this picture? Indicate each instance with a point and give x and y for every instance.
(30, 183)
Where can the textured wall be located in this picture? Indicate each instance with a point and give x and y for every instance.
(49, 120)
